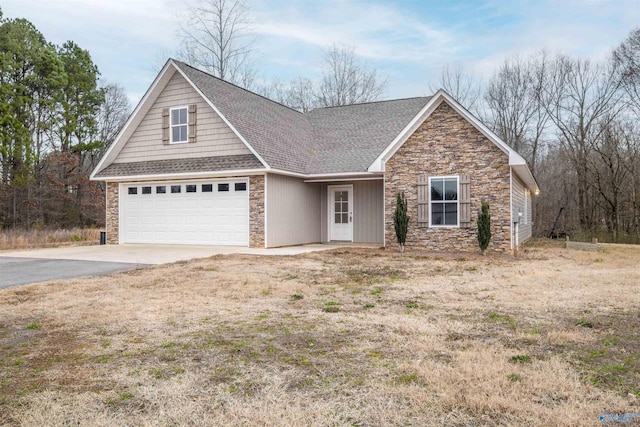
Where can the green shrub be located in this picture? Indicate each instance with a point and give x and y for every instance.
(484, 227)
(401, 220)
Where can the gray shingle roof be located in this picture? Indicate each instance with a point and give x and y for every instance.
(280, 135)
(202, 164)
(350, 138)
(325, 140)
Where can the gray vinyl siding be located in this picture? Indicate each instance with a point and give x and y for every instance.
(213, 136)
(521, 200)
(293, 211)
(368, 211)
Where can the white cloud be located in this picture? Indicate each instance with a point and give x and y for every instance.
(409, 40)
(377, 32)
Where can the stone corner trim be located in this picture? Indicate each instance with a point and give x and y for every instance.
(256, 211)
(112, 220)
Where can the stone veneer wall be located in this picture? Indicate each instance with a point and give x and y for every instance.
(113, 217)
(256, 211)
(447, 144)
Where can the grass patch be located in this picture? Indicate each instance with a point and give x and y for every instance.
(521, 358)
(503, 318)
(103, 358)
(584, 323)
(17, 238)
(514, 377)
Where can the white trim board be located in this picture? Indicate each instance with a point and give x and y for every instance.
(145, 104)
(183, 176)
(440, 96)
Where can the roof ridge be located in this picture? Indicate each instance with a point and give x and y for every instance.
(235, 85)
(372, 102)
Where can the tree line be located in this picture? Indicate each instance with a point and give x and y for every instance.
(573, 119)
(576, 121)
(56, 120)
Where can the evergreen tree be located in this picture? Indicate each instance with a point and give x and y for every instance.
(484, 227)
(401, 220)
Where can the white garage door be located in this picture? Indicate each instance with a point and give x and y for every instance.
(198, 213)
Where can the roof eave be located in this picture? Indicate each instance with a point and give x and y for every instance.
(515, 160)
(133, 117)
(181, 176)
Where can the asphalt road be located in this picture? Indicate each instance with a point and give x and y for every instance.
(22, 271)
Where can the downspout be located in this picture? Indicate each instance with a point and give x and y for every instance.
(266, 221)
(384, 210)
(511, 228)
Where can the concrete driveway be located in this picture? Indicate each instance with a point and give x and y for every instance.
(40, 265)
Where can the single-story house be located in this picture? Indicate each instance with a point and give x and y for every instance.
(202, 161)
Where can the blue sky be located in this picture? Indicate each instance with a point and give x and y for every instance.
(409, 41)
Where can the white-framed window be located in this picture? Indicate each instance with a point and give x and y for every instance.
(179, 128)
(444, 208)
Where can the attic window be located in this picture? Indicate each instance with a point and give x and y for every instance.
(179, 125)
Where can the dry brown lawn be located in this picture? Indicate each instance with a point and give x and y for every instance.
(36, 238)
(343, 338)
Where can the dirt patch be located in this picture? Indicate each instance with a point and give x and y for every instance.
(347, 337)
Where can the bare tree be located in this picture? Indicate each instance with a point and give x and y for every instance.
(113, 114)
(627, 60)
(215, 38)
(581, 99)
(346, 80)
(610, 176)
(513, 97)
(301, 95)
(462, 86)
(275, 90)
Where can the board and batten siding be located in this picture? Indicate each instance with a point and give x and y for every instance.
(368, 211)
(293, 211)
(521, 201)
(213, 136)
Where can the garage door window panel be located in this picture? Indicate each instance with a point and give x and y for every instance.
(176, 189)
(133, 190)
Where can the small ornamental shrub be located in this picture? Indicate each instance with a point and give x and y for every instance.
(484, 227)
(401, 220)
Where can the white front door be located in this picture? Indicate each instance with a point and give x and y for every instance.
(341, 213)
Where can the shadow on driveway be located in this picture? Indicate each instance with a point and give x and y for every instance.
(22, 271)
